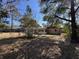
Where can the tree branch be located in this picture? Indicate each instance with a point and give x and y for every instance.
(62, 18)
(11, 1)
(77, 9)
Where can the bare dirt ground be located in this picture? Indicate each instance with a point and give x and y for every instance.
(53, 37)
(41, 47)
(11, 35)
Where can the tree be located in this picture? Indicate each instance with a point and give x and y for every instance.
(8, 9)
(4, 26)
(28, 23)
(10, 6)
(52, 22)
(64, 10)
(3, 15)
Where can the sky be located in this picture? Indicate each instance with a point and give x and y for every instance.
(34, 4)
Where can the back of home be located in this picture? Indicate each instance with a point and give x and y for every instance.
(53, 31)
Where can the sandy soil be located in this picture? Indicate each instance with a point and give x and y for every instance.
(11, 35)
(54, 37)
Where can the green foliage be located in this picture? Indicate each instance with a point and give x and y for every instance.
(28, 22)
(49, 19)
(29, 33)
(67, 29)
(64, 10)
(57, 25)
(3, 26)
(61, 10)
(44, 10)
(45, 18)
(3, 14)
(52, 21)
(56, 7)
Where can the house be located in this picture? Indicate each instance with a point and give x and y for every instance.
(53, 30)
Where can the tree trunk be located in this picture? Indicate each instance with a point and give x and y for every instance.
(11, 22)
(74, 38)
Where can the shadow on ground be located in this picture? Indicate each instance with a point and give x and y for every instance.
(10, 40)
(43, 48)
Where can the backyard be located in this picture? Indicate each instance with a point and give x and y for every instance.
(39, 29)
(42, 46)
